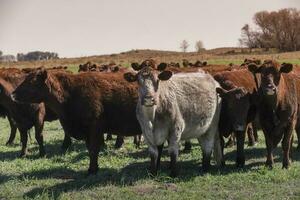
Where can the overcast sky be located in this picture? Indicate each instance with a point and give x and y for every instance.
(92, 27)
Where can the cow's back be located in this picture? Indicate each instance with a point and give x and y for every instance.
(194, 100)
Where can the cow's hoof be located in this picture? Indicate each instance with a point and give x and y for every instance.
(9, 143)
(42, 154)
(269, 164)
(240, 162)
(22, 155)
(92, 171)
(173, 174)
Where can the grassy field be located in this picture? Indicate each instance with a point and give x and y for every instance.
(123, 173)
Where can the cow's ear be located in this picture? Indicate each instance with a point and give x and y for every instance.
(222, 92)
(136, 66)
(253, 68)
(42, 73)
(165, 75)
(286, 68)
(115, 69)
(162, 66)
(130, 77)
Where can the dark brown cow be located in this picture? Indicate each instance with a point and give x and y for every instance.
(109, 69)
(25, 115)
(15, 76)
(238, 106)
(87, 104)
(278, 106)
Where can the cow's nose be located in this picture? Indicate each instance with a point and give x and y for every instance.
(271, 87)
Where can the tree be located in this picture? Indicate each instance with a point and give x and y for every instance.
(248, 37)
(199, 46)
(184, 45)
(277, 29)
(1, 53)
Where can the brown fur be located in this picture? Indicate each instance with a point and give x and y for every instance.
(87, 104)
(25, 115)
(278, 112)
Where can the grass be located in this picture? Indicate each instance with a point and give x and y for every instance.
(123, 173)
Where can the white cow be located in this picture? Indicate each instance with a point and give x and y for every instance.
(177, 107)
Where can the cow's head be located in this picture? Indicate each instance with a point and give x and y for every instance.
(148, 78)
(34, 88)
(237, 104)
(270, 72)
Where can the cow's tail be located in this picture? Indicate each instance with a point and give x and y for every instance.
(218, 151)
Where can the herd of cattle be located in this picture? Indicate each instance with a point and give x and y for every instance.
(163, 102)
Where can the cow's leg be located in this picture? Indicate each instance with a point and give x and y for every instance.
(254, 126)
(240, 158)
(286, 145)
(159, 148)
(269, 145)
(298, 136)
(231, 141)
(187, 146)
(13, 131)
(24, 138)
(251, 139)
(137, 141)
(93, 143)
(39, 137)
(207, 144)
(153, 151)
(119, 142)
(173, 151)
(66, 143)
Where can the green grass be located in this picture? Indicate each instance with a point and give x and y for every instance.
(123, 173)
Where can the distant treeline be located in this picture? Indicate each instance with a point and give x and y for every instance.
(276, 29)
(37, 55)
(34, 55)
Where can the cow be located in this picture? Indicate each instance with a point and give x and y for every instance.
(15, 76)
(278, 106)
(179, 108)
(110, 69)
(26, 116)
(87, 104)
(238, 92)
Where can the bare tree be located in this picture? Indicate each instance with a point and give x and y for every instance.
(248, 38)
(276, 29)
(184, 45)
(199, 46)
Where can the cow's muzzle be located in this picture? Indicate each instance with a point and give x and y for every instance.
(148, 101)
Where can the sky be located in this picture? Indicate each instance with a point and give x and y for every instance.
(74, 28)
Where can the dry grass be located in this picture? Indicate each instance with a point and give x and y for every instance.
(216, 56)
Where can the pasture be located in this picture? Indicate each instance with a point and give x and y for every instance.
(123, 173)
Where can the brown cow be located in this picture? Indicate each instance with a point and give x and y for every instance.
(238, 107)
(15, 76)
(108, 69)
(87, 104)
(278, 106)
(25, 115)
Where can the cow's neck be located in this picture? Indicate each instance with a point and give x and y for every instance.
(58, 95)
